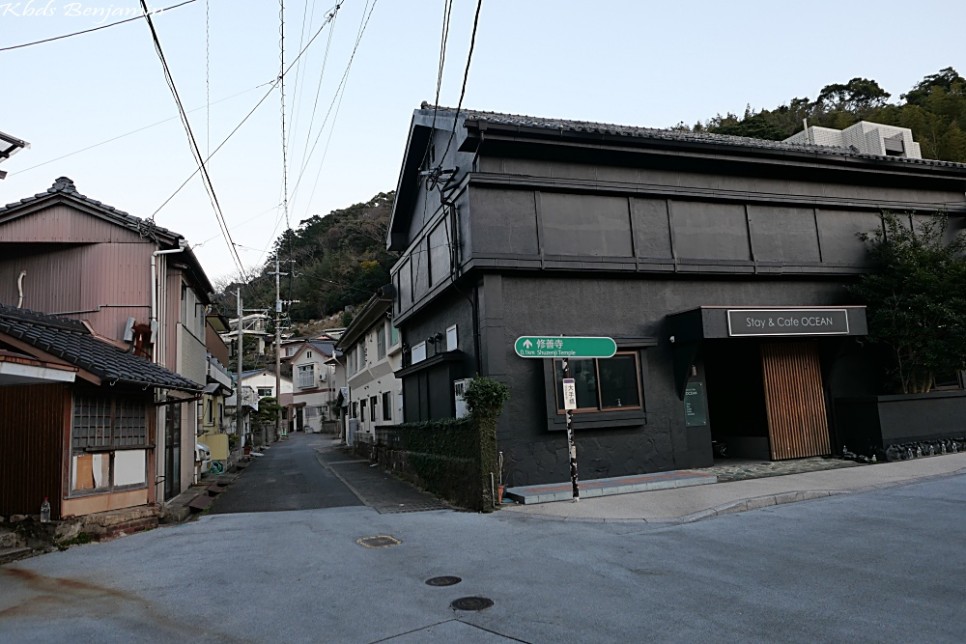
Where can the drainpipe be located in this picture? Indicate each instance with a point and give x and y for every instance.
(155, 304)
(156, 346)
(23, 274)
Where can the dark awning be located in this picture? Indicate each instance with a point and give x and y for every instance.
(686, 330)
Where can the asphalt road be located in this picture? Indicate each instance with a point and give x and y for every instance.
(880, 566)
(288, 477)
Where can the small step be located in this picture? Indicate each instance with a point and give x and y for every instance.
(13, 554)
(214, 490)
(201, 503)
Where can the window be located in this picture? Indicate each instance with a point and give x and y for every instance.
(387, 405)
(602, 385)
(305, 376)
(308, 354)
(107, 423)
(381, 342)
(452, 339)
(265, 392)
(372, 406)
(355, 410)
(211, 410)
(393, 336)
(419, 353)
(438, 253)
(362, 410)
(108, 441)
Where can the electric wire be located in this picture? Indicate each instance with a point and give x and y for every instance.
(92, 29)
(271, 89)
(193, 143)
(129, 133)
(339, 91)
(466, 74)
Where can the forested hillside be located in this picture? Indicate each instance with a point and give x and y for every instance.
(340, 259)
(332, 261)
(935, 111)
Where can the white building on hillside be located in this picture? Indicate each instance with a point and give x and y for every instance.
(864, 136)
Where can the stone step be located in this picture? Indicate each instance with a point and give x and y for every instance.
(201, 503)
(13, 554)
(604, 487)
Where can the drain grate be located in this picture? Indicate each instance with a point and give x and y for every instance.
(471, 603)
(378, 541)
(446, 580)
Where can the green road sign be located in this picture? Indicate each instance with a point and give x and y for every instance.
(550, 346)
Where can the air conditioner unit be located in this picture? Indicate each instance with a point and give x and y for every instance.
(459, 391)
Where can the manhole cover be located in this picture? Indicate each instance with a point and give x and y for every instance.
(379, 541)
(443, 581)
(471, 603)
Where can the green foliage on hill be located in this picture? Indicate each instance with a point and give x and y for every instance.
(935, 111)
(339, 259)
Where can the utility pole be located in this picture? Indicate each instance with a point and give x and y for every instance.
(239, 415)
(278, 353)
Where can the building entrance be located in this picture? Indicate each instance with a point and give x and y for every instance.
(766, 398)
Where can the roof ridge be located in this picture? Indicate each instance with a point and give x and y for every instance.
(670, 134)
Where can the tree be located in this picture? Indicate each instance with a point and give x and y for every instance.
(916, 297)
(858, 96)
(947, 79)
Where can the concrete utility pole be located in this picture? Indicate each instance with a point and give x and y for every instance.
(278, 353)
(239, 415)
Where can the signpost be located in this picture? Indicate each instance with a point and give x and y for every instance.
(566, 349)
(543, 346)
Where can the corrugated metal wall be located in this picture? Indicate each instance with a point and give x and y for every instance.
(795, 400)
(33, 423)
(118, 258)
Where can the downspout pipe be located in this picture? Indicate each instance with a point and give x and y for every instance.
(155, 351)
(155, 305)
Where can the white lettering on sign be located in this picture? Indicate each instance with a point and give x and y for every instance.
(788, 322)
(569, 393)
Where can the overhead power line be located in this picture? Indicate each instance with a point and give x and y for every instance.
(92, 29)
(466, 75)
(193, 143)
(252, 111)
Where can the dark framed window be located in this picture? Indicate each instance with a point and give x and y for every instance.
(613, 384)
(387, 405)
(362, 410)
(108, 423)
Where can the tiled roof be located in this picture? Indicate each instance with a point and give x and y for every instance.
(64, 187)
(71, 341)
(683, 136)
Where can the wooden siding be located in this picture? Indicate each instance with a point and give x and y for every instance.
(795, 400)
(32, 419)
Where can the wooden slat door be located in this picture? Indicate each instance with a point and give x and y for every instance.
(794, 400)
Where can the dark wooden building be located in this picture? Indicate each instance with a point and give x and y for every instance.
(717, 263)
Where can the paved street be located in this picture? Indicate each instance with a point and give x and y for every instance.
(288, 477)
(878, 566)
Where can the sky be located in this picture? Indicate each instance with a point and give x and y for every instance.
(96, 108)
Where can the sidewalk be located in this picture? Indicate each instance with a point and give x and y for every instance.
(685, 504)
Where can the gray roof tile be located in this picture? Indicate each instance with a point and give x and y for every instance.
(71, 341)
(591, 127)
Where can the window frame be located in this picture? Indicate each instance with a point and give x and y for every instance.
(600, 408)
(387, 405)
(610, 418)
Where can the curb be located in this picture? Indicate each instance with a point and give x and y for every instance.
(742, 505)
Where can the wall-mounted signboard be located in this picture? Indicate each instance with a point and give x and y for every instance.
(762, 322)
(695, 404)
